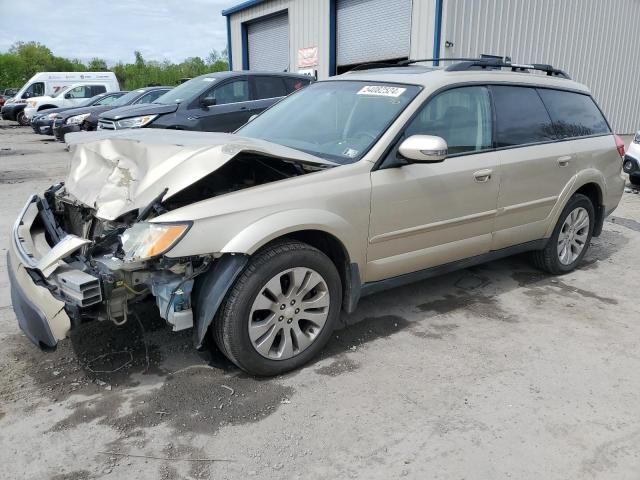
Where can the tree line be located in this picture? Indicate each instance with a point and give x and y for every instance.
(25, 59)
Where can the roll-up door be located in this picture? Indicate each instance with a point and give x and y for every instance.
(372, 30)
(268, 43)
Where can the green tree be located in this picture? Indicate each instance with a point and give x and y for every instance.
(97, 65)
(24, 59)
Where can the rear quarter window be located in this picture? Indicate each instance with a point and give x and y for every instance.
(521, 117)
(574, 114)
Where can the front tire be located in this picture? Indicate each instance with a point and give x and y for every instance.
(22, 119)
(570, 239)
(281, 310)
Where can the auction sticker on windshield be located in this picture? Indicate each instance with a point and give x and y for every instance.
(382, 91)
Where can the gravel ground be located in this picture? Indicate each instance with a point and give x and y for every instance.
(497, 371)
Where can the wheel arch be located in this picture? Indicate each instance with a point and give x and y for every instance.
(46, 107)
(589, 182)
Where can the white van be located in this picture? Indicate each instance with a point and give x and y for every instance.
(70, 96)
(50, 83)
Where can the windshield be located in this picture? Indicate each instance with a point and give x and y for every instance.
(127, 98)
(185, 91)
(337, 121)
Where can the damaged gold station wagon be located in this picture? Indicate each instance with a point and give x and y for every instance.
(373, 179)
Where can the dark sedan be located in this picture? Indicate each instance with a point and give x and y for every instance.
(214, 102)
(42, 123)
(86, 118)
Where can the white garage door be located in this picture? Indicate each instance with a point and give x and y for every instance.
(372, 30)
(268, 43)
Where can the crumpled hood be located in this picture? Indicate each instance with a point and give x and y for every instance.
(117, 172)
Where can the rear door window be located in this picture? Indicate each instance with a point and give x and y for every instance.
(269, 87)
(574, 114)
(521, 117)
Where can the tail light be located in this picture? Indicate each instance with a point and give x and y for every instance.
(620, 146)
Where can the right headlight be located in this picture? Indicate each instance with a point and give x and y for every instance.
(145, 240)
(136, 122)
(77, 119)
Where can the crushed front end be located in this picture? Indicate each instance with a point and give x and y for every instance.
(67, 266)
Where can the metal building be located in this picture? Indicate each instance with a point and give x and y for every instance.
(595, 41)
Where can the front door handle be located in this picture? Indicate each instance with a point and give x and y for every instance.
(564, 160)
(483, 176)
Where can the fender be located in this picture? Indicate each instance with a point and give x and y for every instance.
(589, 175)
(211, 289)
(268, 228)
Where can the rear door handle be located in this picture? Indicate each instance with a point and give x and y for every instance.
(483, 176)
(564, 160)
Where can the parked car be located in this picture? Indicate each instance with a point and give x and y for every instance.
(48, 84)
(71, 96)
(373, 179)
(5, 95)
(42, 122)
(14, 111)
(215, 102)
(86, 118)
(632, 160)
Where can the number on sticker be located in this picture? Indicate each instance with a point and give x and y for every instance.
(382, 91)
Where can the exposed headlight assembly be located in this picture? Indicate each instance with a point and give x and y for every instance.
(77, 119)
(146, 240)
(52, 116)
(136, 122)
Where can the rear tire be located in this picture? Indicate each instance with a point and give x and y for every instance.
(635, 179)
(570, 239)
(281, 310)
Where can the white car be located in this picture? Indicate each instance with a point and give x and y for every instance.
(631, 163)
(71, 96)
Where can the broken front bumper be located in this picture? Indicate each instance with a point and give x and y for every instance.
(30, 261)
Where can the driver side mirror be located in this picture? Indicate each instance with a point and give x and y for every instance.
(424, 149)
(26, 95)
(208, 102)
(67, 95)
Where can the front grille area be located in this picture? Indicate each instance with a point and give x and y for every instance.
(106, 125)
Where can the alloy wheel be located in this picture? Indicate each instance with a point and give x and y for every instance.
(573, 236)
(289, 313)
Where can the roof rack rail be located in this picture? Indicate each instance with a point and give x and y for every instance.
(464, 64)
(372, 65)
(490, 63)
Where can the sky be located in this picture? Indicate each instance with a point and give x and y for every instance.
(112, 29)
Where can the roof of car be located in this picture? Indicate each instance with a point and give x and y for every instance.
(230, 74)
(428, 76)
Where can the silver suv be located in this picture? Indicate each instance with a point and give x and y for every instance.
(258, 240)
